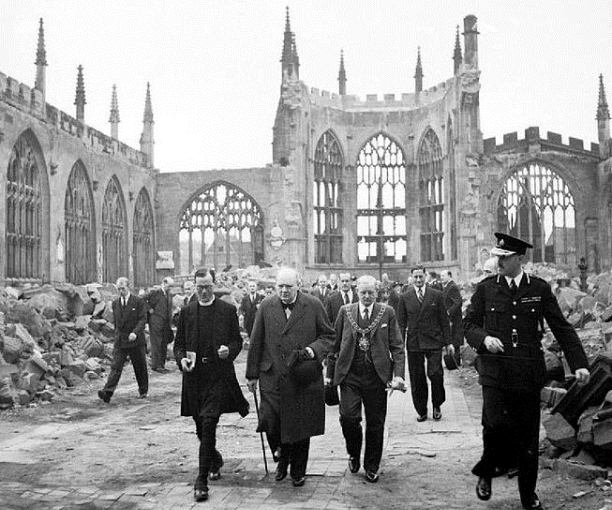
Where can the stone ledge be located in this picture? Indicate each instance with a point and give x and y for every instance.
(575, 470)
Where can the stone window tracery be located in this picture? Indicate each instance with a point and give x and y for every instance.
(114, 240)
(80, 261)
(431, 197)
(381, 201)
(327, 213)
(221, 227)
(143, 245)
(24, 203)
(536, 205)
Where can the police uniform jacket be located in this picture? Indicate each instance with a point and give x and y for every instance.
(517, 320)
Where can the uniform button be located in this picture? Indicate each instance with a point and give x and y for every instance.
(514, 317)
(533, 309)
(514, 303)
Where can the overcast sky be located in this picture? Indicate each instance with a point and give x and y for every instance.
(215, 73)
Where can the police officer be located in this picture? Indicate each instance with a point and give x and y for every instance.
(504, 323)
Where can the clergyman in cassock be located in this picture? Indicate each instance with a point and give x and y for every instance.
(290, 338)
(207, 342)
(504, 323)
(370, 359)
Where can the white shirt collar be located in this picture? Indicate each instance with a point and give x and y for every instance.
(416, 289)
(126, 297)
(517, 279)
(363, 308)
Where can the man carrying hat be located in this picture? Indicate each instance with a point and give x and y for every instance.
(504, 323)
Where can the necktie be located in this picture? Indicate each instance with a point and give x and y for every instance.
(513, 287)
(420, 295)
(366, 315)
(123, 302)
(346, 299)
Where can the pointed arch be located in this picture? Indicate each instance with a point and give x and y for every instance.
(431, 197)
(114, 232)
(536, 204)
(27, 212)
(143, 241)
(327, 205)
(79, 227)
(381, 201)
(220, 226)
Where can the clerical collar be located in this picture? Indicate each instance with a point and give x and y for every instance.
(517, 279)
(208, 303)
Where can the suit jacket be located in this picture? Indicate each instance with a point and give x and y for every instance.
(424, 325)
(160, 316)
(225, 331)
(316, 292)
(248, 310)
(301, 408)
(335, 300)
(129, 319)
(386, 345)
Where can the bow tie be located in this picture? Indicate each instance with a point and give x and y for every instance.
(288, 305)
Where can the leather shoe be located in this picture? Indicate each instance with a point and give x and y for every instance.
(422, 417)
(200, 493)
(161, 370)
(483, 488)
(143, 395)
(104, 396)
(437, 414)
(353, 464)
(371, 476)
(215, 469)
(281, 470)
(298, 482)
(513, 472)
(535, 504)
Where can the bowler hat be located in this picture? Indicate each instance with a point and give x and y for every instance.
(508, 245)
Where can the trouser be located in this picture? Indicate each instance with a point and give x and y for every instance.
(418, 381)
(510, 418)
(457, 338)
(363, 385)
(139, 361)
(159, 349)
(210, 459)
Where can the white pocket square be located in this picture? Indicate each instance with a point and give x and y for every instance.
(383, 326)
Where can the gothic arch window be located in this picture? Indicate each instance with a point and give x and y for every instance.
(26, 215)
(222, 226)
(431, 197)
(536, 204)
(80, 260)
(327, 214)
(381, 201)
(142, 251)
(114, 235)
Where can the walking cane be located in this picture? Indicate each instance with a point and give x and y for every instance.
(263, 448)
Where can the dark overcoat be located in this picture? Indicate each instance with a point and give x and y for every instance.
(453, 302)
(386, 346)
(495, 311)
(274, 337)
(129, 319)
(225, 331)
(424, 325)
(160, 314)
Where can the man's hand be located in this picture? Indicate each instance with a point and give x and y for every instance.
(493, 344)
(252, 385)
(398, 383)
(186, 365)
(449, 349)
(223, 352)
(582, 375)
(306, 354)
(132, 337)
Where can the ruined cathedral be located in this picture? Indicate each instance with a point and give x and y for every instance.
(368, 184)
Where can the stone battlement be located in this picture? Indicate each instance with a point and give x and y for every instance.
(553, 141)
(30, 101)
(373, 101)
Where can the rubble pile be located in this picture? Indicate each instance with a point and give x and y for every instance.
(52, 338)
